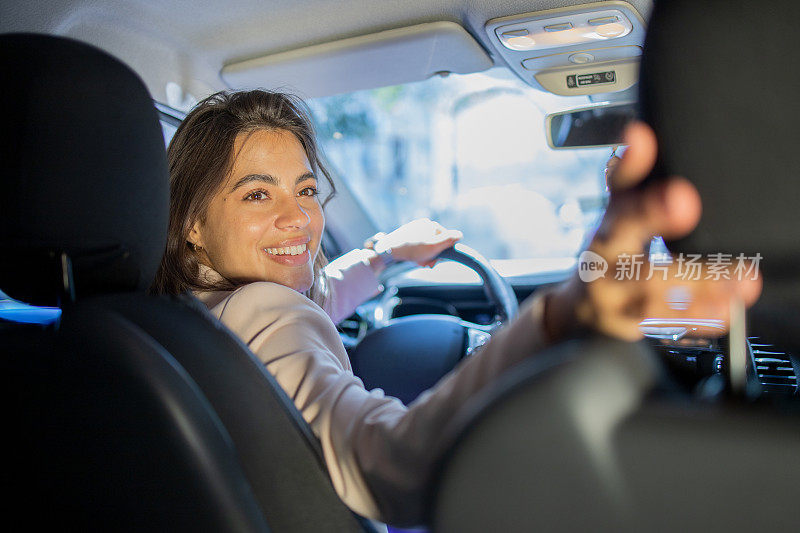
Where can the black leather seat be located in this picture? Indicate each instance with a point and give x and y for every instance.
(83, 219)
(589, 437)
(108, 432)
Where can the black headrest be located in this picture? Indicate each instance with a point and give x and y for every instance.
(719, 85)
(83, 170)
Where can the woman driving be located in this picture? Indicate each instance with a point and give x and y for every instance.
(246, 223)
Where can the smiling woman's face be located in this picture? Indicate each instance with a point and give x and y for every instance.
(265, 223)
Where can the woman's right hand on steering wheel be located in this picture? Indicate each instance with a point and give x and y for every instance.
(419, 241)
(636, 212)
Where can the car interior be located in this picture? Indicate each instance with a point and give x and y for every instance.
(131, 411)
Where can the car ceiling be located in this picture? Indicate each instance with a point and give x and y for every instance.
(191, 40)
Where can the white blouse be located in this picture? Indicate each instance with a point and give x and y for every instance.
(379, 452)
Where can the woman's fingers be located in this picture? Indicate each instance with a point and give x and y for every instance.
(682, 209)
(419, 241)
(447, 237)
(427, 253)
(638, 159)
(670, 208)
(635, 214)
(633, 289)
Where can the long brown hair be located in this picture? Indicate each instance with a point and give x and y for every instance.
(200, 157)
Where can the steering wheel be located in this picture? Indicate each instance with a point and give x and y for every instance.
(498, 290)
(408, 355)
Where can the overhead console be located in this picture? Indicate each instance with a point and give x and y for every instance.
(578, 50)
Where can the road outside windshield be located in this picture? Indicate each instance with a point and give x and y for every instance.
(470, 152)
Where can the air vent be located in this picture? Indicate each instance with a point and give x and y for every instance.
(774, 368)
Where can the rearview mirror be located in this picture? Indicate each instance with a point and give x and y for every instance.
(587, 127)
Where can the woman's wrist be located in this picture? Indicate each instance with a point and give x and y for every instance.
(379, 259)
(562, 314)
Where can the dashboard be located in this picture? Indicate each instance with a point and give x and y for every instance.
(695, 357)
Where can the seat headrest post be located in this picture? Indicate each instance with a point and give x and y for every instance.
(67, 280)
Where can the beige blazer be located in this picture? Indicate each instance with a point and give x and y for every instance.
(379, 452)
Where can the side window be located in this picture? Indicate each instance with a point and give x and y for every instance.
(168, 130)
(170, 119)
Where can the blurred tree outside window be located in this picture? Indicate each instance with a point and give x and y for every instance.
(470, 152)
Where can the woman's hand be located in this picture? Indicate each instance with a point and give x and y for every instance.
(634, 215)
(419, 241)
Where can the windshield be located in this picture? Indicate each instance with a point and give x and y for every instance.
(470, 152)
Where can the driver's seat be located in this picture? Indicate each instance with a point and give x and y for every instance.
(83, 219)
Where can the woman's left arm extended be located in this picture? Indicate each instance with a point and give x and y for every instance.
(353, 277)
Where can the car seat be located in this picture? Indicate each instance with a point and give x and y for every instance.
(83, 220)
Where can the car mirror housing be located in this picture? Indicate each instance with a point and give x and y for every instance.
(600, 125)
